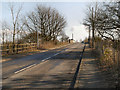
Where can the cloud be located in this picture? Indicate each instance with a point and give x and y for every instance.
(79, 32)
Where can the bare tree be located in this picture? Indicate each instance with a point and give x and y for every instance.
(15, 19)
(108, 21)
(5, 27)
(45, 21)
(64, 37)
(90, 19)
(105, 20)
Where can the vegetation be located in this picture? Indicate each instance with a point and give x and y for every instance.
(45, 21)
(44, 24)
(104, 21)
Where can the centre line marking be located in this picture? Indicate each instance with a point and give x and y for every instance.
(35, 64)
(25, 68)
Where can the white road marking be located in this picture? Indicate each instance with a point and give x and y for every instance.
(35, 64)
(51, 56)
(25, 68)
(56, 54)
(46, 58)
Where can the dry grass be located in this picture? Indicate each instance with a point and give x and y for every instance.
(108, 62)
(49, 45)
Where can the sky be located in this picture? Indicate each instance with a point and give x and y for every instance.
(74, 13)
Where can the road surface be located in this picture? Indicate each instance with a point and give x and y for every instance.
(50, 69)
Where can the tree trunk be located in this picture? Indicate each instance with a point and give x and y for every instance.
(93, 29)
(89, 38)
(3, 38)
(14, 40)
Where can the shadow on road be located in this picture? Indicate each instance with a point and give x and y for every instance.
(68, 55)
(36, 81)
(58, 72)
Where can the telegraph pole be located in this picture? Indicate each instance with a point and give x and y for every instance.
(37, 39)
(72, 36)
(89, 36)
(118, 62)
(92, 29)
(37, 36)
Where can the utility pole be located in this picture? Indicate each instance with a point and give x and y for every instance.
(36, 35)
(89, 36)
(92, 29)
(37, 40)
(72, 36)
(118, 62)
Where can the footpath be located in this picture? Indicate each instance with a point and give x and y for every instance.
(90, 76)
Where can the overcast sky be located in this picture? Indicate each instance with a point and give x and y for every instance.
(74, 13)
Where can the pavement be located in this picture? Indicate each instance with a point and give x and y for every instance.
(90, 76)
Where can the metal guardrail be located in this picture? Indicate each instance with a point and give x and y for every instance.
(17, 48)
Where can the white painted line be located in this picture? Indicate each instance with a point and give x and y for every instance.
(35, 64)
(56, 54)
(51, 56)
(46, 58)
(25, 68)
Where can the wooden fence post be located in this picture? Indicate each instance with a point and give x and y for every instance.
(13, 48)
(8, 49)
(22, 48)
(17, 48)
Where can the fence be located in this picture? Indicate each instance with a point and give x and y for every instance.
(17, 48)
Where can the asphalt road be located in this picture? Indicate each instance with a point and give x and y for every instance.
(50, 69)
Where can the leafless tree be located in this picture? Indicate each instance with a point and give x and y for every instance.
(90, 19)
(15, 19)
(105, 20)
(45, 21)
(64, 37)
(5, 27)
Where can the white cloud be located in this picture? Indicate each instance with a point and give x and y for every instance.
(79, 32)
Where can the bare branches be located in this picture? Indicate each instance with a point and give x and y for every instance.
(15, 17)
(105, 20)
(5, 31)
(46, 21)
(91, 19)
